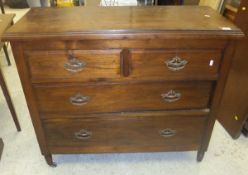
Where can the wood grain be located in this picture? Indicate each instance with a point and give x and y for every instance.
(233, 112)
(50, 65)
(123, 112)
(121, 130)
(152, 43)
(121, 20)
(216, 100)
(122, 97)
(150, 64)
(29, 95)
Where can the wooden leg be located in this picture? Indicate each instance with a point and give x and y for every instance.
(2, 7)
(6, 54)
(49, 160)
(9, 102)
(200, 155)
(1, 147)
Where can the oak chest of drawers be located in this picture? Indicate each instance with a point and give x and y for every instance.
(124, 79)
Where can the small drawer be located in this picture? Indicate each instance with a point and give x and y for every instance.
(175, 65)
(123, 97)
(76, 65)
(123, 132)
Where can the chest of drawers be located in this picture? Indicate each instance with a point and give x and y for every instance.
(134, 81)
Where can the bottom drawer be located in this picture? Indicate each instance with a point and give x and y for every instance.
(125, 132)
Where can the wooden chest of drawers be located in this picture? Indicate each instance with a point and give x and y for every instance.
(134, 81)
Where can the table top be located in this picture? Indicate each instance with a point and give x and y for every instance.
(5, 21)
(80, 21)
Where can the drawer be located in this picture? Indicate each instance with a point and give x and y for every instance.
(122, 132)
(77, 65)
(123, 97)
(175, 65)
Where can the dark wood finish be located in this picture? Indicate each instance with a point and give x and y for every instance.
(124, 130)
(123, 97)
(245, 127)
(151, 64)
(234, 108)
(125, 62)
(141, 42)
(5, 22)
(1, 147)
(9, 101)
(126, 21)
(50, 65)
(29, 95)
(2, 6)
(216, 100)
(49, 160)
(125, 100)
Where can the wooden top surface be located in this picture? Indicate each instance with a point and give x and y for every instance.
(80, 21)
(5, 21)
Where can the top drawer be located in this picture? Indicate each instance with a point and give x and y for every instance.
(174, 64)
(108, 65)
(77, 65)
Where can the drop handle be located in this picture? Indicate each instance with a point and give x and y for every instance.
(74, 64)
(83, 134)
(79, 100)
(167, 132)
(171, 96)
(176, 63)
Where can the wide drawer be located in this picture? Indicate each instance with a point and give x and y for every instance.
(107, 65)
(77, 65)
(174, 64)
(122, 132)
(123, 97)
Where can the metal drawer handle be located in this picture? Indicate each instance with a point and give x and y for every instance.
(74, 65)
(83, 134)
(171, 96)
(167, 132)
(176, 63)
(79, 100)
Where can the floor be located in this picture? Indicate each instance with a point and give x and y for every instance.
(22, 156)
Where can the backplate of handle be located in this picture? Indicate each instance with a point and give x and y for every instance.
(171, 96)
(176, 64)
(79, 100)
(74, 64)
(125, 63)
(83, 134)
(167, 132)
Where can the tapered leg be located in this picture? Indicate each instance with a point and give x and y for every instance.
(200, 155)
(2, 7)
(1, 147)
(6, 54)
(9, 102)
(49, 160)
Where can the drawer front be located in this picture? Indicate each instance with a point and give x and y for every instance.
(174, 65)
(120, 132)
(77, 65)
(123, 97)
